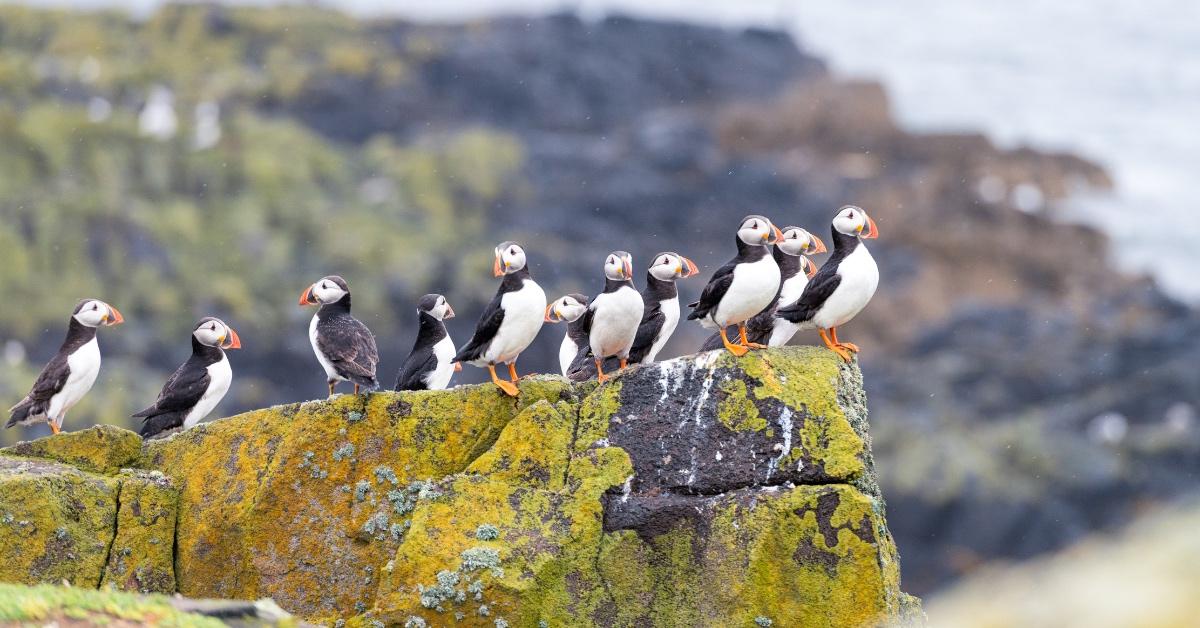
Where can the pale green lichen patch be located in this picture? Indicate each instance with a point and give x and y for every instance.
(141, 557)
(736, 410)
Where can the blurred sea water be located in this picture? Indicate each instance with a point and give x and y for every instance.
(1116, 81)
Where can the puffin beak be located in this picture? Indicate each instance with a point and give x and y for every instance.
(234, 341)
(691, 268)
(810, 268)
(551, 314)
(817, 246)
(114, 317)
(307, 297)
(776, 235)
(872, 229)
(627, 267)
(496, 270)
(449, 312)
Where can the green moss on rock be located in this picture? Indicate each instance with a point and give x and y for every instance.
(51, 605)
(98, 449)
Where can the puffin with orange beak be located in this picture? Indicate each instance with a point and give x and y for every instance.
(71, 372)
(510, 322)
(659, 319)
(430, 364)
(570, 309)
(843, 286)
(743, 287)
(198, 385)
(343, 345)
(613, 317)
(795, 269)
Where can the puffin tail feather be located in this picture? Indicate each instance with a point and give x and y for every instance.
(19, 412)
(158, 423)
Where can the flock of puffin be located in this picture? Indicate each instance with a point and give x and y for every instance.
(762, 297)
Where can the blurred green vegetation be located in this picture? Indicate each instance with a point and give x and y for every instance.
(90, 206)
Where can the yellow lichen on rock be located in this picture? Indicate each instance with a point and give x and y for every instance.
(98, 449)
(141, 558)
(56, 522)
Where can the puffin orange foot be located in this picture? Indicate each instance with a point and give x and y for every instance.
(509, 388)
(850, 345)
(737, 350)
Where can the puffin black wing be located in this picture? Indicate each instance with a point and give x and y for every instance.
(411, 376)
(350, 346)
(485, 331)
(819, 288)
(179, 395)
(49, 383)
(652, 323)
(713, 292)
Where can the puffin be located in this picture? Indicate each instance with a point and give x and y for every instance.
(431, 364)
(795, 269)
(613, 317)
(659, 319)
(343, 345)
(570, 309)
(843, 286)
(71, 372)
(198, 385)
(744, 286)
(510, 322)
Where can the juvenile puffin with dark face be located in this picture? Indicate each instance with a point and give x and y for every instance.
(612, 318)
(791, 253)
(570, 309)
(343, 345)
(430, 364)
(743, 287)
(510, 322)
(71, 372)
(843, 286)
(198, 385)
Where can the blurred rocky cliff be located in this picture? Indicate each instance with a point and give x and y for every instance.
(211, 160)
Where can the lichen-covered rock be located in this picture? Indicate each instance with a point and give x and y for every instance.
(56, 522)
(304, 503)
(707, 490)
(99, 449)
(142, 554)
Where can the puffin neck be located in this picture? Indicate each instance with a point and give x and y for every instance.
(612, 285)
(515, 280)
(78, 335)
(843, 244)
(430, 329)
(341, 306)
(201, 350)
(789, 265)
(660, 290)
(749, 252)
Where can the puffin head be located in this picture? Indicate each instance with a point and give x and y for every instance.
(94, 313)
(669, 266)
(213, 332)
(758, 230)
(853, 221)
(510, 258)
(329, 289)
(618, 266)
(797, 241)
(568, 308)
(436, 306)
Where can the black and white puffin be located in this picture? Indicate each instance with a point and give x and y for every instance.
(198, 385)
(511, 321)
(795, 269)
(71, 372)
(743, 287)
(659, 319)
(343, 345)
(569, 308)
(843, 286)
(431, 363)
(613, 317)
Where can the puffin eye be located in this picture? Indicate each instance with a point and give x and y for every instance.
(753, 224)
(95, 307)
(512, 251)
